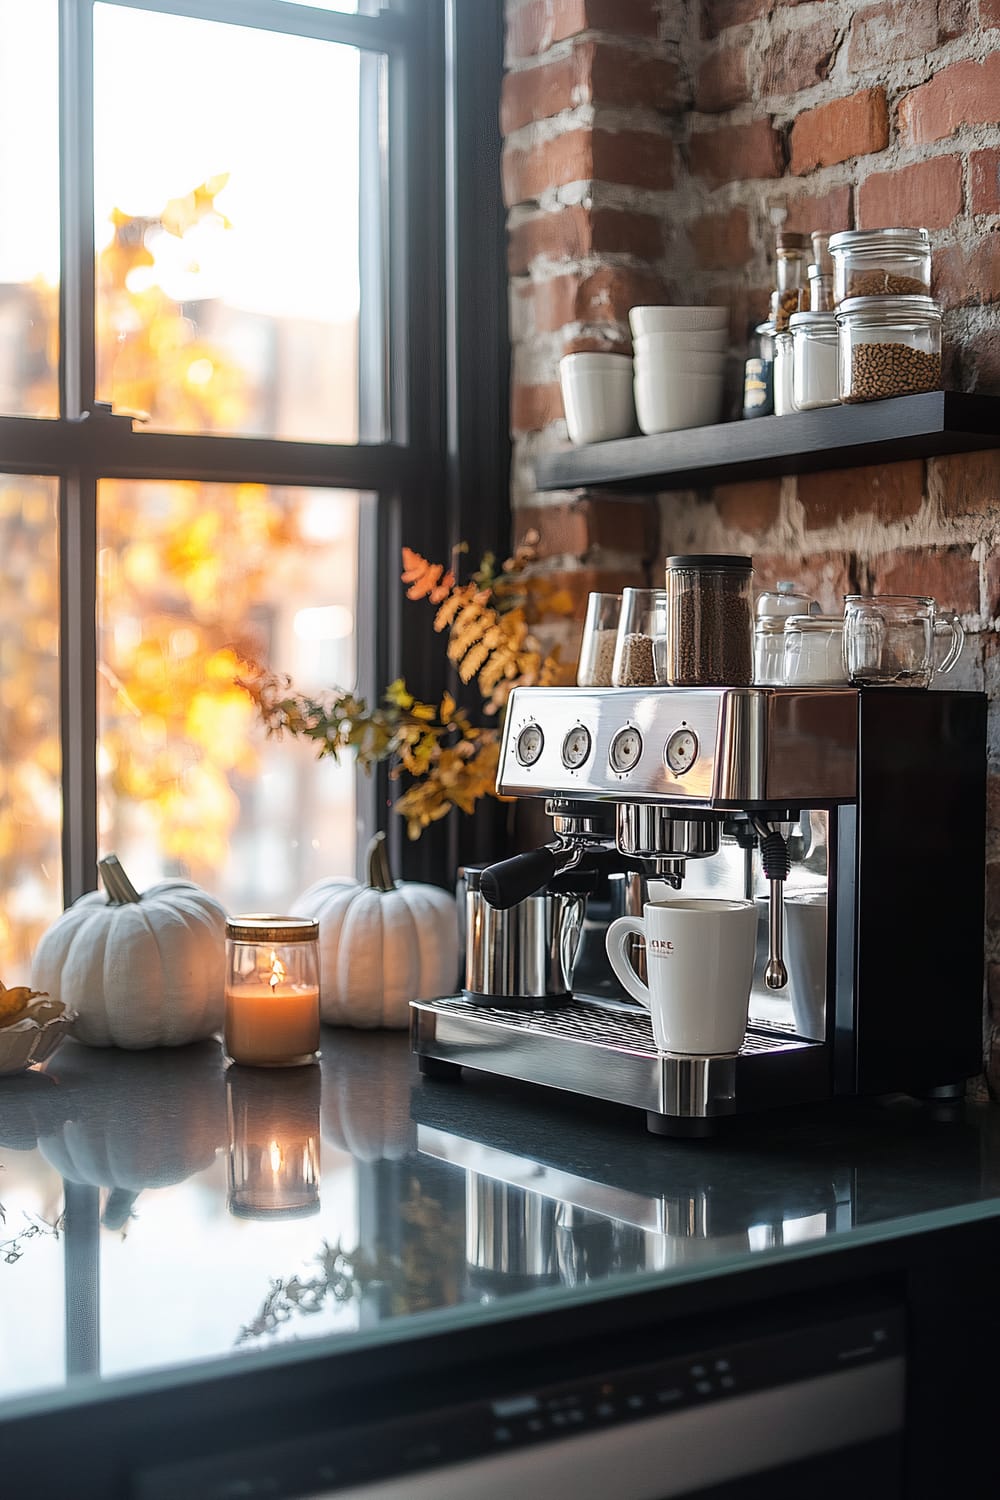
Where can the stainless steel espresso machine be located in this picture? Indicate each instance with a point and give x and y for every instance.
(854, 817)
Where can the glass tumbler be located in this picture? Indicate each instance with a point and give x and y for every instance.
(640, 647)
(600, 635)
(889, 639)
(272, 991)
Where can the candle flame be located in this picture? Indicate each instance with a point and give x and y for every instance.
(278, 972)
(276, 1157)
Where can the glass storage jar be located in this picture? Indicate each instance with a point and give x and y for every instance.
(783, 367)
(769, 651)
(640, 643)
(888, 346)
(709, 621)
(790, 266)
(813, 650)
(758, 373)
(814, 360)
(597, 648)
(786, 598)
(881, 262)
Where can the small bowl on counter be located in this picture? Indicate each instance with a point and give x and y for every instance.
(33, 1034)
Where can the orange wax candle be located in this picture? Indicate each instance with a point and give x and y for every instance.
(272, 990)
(272, 1023)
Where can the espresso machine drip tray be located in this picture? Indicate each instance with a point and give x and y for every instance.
(608, 1052)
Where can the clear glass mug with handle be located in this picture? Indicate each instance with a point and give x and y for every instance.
(890, 639)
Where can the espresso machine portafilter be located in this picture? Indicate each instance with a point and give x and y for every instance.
(859, 811)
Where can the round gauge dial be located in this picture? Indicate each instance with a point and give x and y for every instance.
(576, 747)
(626, 747)
(529, 744)
(681, 751)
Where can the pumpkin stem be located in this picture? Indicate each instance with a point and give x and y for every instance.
(379, 873)
(120, 889)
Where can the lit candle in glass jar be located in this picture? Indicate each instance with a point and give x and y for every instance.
(274, 1143)
(272, 991)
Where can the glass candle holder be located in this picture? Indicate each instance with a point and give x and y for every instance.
(274, 1143)
(272, 991)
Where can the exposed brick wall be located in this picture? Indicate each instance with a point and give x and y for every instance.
(650, 148)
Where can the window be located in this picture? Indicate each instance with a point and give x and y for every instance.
(228, 382)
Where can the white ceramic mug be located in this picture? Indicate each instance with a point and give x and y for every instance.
(805, 951)
(700, 959)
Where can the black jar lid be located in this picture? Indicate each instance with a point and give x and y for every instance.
(711, 560)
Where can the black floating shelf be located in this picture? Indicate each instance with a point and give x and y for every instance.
(835, 437)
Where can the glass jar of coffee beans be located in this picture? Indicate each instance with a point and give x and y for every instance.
(709, 621)
(881, 263)
(888, 346)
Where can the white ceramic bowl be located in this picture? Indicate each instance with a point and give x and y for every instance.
(712, 341)
(677, 319)
(594, 360)
(679, 362)
(666, 403)
(597, 400)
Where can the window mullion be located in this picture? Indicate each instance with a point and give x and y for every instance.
(78, 679)
(77, 343)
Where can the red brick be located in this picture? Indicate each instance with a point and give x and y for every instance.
(826, 576)
(954, 18)
(883, 492)
(965, 484)
(984, 181)
(751, 507)
(837, 131)
(967, 93)
(721, 239)
(797, 60)
(604, 295)
(623, 17)
(722, 81)
(529, 28)
(573, 232)
(968, 278)
(831, 211)
(716, 15)
(949, 574)
(928, 192)
(989, 12)
(735, 153)
(593, 72)
(622, 76)
(636, 158)
(533, 407)
(573, 530)
(895, 29)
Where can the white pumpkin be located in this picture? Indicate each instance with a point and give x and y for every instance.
(381, 945)
(141, 971)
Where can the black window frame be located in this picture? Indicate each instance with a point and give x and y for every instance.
(443, 475)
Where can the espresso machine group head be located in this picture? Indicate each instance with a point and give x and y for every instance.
(856, 815)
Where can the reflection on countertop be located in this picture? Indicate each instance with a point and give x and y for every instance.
(159, 1211)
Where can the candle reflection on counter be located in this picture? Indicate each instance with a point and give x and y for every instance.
(274, 1142)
